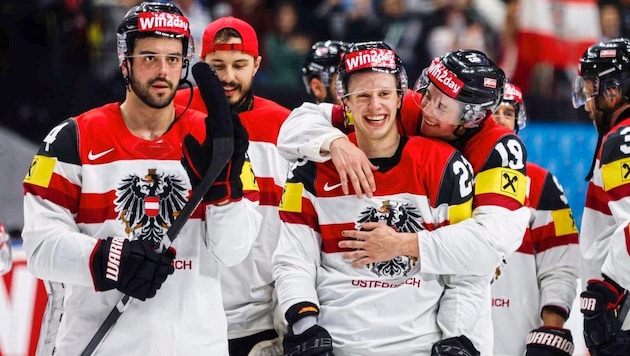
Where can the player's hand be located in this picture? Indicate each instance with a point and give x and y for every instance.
(602, 329)
(454, 346)
(132, 267)
(304, 337)
(549, 341)
(353, 167)
(221, 122)
(315, 341)
(376, 242)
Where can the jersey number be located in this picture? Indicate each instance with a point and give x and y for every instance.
(463, 171)
(511, 154)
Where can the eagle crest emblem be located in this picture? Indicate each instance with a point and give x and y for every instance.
(404, 218)
(148, 205)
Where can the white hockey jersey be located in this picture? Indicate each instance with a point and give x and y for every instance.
(543, 271)
(92, 179)
(385, 308)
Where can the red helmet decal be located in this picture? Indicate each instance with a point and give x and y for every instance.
(512, 93)
(444, 79)
(370, 58)
(163, 21)
(490, 83)
(608, 53)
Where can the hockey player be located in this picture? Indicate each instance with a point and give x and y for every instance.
(230, 45)
(534, 291)
(603, 88)
(106, 185)
(390, 307)
(319, 71)
(453, 100)
(6, 257)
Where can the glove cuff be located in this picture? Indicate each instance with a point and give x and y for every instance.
(557, 341)
(105, 262)
(301, 310)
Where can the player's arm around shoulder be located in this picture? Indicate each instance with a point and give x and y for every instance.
(308, 132)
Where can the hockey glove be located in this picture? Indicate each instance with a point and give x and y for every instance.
(454, 346)
(549, 341)
(314, 341)
(132, 267)
(599, 304)
(197, 156)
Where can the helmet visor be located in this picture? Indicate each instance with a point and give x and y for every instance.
(584, 90)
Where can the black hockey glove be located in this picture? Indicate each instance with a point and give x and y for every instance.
(197, 156)
(132, 267)
(549, 341)
(315, 341)
(602, 328)
(454, 346)
(599, 304)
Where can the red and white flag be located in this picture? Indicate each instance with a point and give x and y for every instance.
(557, 31)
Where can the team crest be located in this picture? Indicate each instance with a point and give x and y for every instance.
(404, 218)
(148, 205)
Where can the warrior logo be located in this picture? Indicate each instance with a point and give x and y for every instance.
(404, 218)
(148, 205)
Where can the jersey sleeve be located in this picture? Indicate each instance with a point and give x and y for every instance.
(500, 215)
(308, 132)
(54, 247)
(615, 178)
(298, 253)
(465, 309)
(554, 236)
(231, 230)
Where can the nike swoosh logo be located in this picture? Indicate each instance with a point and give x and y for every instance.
(92, 156)
(328, 188)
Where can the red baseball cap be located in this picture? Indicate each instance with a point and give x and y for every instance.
(250, 40)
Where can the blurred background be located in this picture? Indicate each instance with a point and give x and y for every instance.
(58, 59)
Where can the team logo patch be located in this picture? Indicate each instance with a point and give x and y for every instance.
(489, 83)
(509, 182)
(504, 181)
(607, 53)
(564, 222)
(147, 205)
(292, 198)
(404, 218)
(615, 174)
(40, 171)
(248, 177)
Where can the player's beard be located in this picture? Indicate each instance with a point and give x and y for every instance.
(241, 93)
(143, 92)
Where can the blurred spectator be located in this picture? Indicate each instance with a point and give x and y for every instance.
(403, 32)
(361, 22)
(330, 14)
(257, 13)
(198, 17)
(285, 49)
(462, 27)
(610, 19)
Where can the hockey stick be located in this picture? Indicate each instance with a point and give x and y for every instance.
(222, 150)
